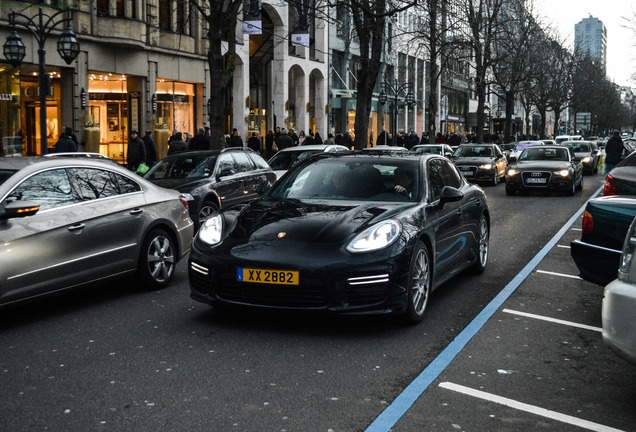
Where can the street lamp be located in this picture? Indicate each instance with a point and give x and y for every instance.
(41, 25)
(396, 89)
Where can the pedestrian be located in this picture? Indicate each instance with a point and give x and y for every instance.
(613, 151)
(269, 144)
(318, 138)
(338, 138)
(412, 140)
(301, 138)
(177, 144)
(440, 138)
(294, 137)
(236, 140)
(309, 139)
(329, 139)
(65, 143)
(347, 141)
(151, 149)
(383, 138)
(254, 142)
(136, 153)
(284, 140)
(200, 141)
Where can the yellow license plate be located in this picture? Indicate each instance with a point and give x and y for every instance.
(280, 277)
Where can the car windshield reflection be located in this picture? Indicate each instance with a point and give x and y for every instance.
(543, 154)
(289, 159)
(190, 167)
(473, 151)
(375, 180)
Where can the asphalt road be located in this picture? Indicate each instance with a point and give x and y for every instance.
(111, 358)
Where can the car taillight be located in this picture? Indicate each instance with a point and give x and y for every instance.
(609, 188)
(184, 201)
(588, 223)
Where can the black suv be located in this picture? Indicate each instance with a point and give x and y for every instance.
(212, 179)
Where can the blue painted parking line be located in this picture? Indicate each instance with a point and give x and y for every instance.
(394, 412)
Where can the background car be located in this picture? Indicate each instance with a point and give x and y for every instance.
(588, 152)
(618, 313)
(88, 220)
(481, 162)
(621, 180)
(521, 145)
(290, 156)
(440, 149)
(212, 179)
(605, 223)
(385, 149)
(545, 168)
(347, 233)
(561, 138)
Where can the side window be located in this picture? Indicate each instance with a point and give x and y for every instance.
(93, 183)
(49, 189)
(435, 180)
(226, 166)
(450, 176)
(498, 152)
(259, 161)
(243, 161)
(126, 185)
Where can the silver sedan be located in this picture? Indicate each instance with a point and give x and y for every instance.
(66, 222)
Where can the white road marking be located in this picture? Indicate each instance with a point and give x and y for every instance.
(564, 418)
(564, 246)
(577, 229)
(559, 274)
(553, 320)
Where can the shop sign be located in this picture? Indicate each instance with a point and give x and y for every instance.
(6, 97)
(107, 96)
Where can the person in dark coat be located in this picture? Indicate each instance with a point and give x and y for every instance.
(284, 140)
(200, 141)
(383, 138)
(309, 139)
(269, 144)
(236, 140)
(412, 141)
(136, 151)
(65, 143)
(151, 149)
(318, 138)
(613, 151)
(177, 144)
(347, 141)
(254, 143)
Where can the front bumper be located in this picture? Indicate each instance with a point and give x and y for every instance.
(474, 173)
(596, 264)
(618, 315)
(545, 181)
(371, 285)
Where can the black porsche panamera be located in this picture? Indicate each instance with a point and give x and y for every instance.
(346, 233)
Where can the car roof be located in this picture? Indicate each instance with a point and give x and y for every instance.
(312, 147)
(206, 153)
(34, 163)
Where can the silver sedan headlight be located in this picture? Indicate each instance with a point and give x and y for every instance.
(486, 166)
(376, 237)
(212, 230)
(563, 173)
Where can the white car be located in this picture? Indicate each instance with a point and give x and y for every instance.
(559, 139)
(288, 157)
(619, 303)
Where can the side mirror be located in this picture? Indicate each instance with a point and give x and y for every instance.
(18, 209)
(450, 194)
(576, 159)
(512, 158)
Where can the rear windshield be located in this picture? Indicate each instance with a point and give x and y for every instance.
(178, 168)
(286, 159)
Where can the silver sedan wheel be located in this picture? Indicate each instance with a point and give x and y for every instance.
(483, 242)
(160, 259)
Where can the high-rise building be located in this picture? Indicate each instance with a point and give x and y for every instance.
(590, 38)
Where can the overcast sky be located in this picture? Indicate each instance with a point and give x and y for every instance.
(621, 42)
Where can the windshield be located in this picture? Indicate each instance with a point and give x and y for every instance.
(522, 145)
(284, 160)
(178, 168)
(5, 174)
(538, 153)
(369, 179)
(473, 151)
(580, 147)
(431, 149)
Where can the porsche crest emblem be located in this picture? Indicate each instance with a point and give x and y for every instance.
(281, 234)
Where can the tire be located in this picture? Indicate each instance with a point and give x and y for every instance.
(158, 259)
(206, 209)
(580, 186)
(510, 191)
(572, 190)
(483, 243)
(495, 180)
(419, 285)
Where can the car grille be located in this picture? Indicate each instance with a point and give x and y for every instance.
(366, 290)
(536, 179)
(468, 170)
(310, 294)
(200, 278)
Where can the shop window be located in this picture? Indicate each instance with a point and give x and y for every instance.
(102, 7)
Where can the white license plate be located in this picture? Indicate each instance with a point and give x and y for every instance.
(536, 180)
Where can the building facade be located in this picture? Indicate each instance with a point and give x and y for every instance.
(590, 38)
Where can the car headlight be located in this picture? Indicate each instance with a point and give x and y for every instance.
(486, 166)
(211, 230)
(563, 173)
(512, 172)
(586, 159)
(377, 237)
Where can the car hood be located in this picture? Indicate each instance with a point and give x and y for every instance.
(182, 184)
(282, 223)
(472, 160)
(541, 165)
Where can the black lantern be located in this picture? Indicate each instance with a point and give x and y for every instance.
(68, 46)
(14, 49)
(410, 98)
(383, 97)
(83, 99)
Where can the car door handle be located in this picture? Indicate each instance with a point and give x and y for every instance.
(459, 212)
(76, 227)
(136, 211)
